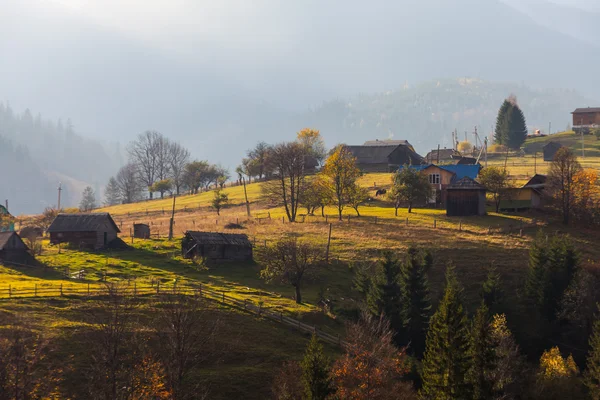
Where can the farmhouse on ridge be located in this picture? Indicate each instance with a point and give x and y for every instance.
(216, 246)
(586, 119)
(384, 155)
(93, 231)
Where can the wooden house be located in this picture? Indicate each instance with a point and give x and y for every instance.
(550, 150)
(443, 156)
(141, 231)
(465, 197)
(215, 246)
(13, 249)
(384, 158)
(529, 196)
(93, 231)
(441, 176)
(586, 119)
(389, 142)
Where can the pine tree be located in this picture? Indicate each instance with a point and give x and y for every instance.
(482, 354)
(315, 372)
(491, 291)
(88, 199)
(111, 192)
(592, 372)
(511, 128)
(502, 128)
(384, 294)
(414, 302)
(446, 359)
(507, 374)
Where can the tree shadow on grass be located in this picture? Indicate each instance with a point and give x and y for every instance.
(34, 269)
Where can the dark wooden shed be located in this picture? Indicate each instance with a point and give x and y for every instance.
(216, 246)
(384, 158)
(141, 231)
(93, 231)
(13, 249)
(464, 198)
(550, 150)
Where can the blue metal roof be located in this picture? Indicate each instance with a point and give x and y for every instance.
(472, 171)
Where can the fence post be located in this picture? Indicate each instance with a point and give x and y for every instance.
(281, 316)
(460, 226)
(406, 221)
(375, 219)
(9, 291)
(283, 220)
(88, 289)
(157, 287)
(245, 300)
(134, 289)
(269, 214)
(223, 297)
(434, 222)
(35, 290)
(61, 289)
(348, 219)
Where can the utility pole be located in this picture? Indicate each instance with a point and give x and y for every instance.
(172, 221)
(59, 190)
(549, 128)
(535, 162)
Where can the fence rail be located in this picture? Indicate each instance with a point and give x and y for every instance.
(133, 289)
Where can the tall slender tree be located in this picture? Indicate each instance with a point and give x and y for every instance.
(446, 359)
(415, 305)
(592, 372)
(315, 372)
(482, 355)
(384, 293)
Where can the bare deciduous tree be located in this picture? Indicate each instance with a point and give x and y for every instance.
(288, 161)
(291, 262)
(186, 332)
(144, 153)
(563, 169)
(128, 183)
(178, 159)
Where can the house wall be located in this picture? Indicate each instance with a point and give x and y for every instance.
(549, 153)
(374, 167)
(586, 119)
(239, 253)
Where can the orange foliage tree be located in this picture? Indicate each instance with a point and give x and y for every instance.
(372, 367)
(586, 195)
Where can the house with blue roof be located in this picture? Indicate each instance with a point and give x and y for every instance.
(7, 223)
(442, 176)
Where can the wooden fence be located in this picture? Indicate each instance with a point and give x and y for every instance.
(133, 289)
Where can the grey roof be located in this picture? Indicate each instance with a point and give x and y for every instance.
(538, 180)
(586, 110)
(445, 155)
(372, 154)
(5, 237)
(215, 238)
(466, 183)
(81, 222)
(387, 142)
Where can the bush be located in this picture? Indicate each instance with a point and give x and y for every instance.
(497, 148)
(233, 225)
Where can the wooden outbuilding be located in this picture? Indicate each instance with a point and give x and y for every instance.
(216, 246)
(465, 198)
(93, 231)
(532, 195)
(550, 150)
(141, 231)
(13, 249)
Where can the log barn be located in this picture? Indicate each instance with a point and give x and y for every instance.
(216, 246)
(93, 231)
(13, 249)
(464, 198)
(384, 157)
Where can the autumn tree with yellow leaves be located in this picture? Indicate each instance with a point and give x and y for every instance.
(339, 175)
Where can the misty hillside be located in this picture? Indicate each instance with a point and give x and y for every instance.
(427, 113)
(39, 153)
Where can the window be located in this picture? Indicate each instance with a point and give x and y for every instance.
(434, 179)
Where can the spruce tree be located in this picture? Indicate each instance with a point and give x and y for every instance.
(502, 126)
(384, 294)
(491, 291)
(592, 373)
(446, 359)
(414, 302)
(482, 355)
(511, 127)
(315, 372)
(536, 275)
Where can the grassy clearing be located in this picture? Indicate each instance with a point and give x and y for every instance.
(252, 349)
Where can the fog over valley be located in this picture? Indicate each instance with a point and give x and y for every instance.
(80, 79)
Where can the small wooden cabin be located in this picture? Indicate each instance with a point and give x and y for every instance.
(93, 231)
(216, 246)
(141, 231)
(464, 198)
(13, 249)
(550, 150)
(531, 195)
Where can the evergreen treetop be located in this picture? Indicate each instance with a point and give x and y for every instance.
(315, 372)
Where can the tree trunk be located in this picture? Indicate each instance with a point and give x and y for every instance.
(357, 213)
(298, 295)
(323, 211)
(151, 194)
(396, 210)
